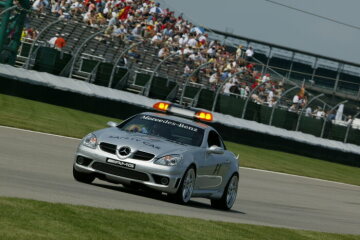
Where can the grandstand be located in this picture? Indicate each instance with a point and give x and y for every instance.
(96, 54)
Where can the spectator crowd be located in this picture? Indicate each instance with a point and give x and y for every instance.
(145, 20)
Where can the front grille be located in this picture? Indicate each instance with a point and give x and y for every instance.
(107, 147)
(139, 155)
(119, 171)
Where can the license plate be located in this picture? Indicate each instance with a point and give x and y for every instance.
(121, 163)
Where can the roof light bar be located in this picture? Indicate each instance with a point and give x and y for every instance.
(183, 112)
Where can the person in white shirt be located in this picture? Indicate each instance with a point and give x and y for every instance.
(156, 9)
(163, 52)
(38, 5)
(214, 79)
(157, 39)
(249, 54)
(188, 50)
(192, 42)
(265, 78)
(53, 40)
(270, 96)
(308, 112)
(227, 86)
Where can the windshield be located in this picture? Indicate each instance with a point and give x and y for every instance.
(165, 128)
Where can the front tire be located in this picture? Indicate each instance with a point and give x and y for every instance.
(229, 196)
(83, 177)
(186, 187)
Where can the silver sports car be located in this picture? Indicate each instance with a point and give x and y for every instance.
(166, 152)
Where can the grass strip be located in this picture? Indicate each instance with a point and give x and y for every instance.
(29, 219)
(38, 116)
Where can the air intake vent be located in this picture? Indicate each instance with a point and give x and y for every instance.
(139, 155)
(107, 147)
(119, 171)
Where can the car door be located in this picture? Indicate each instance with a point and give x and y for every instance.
(214, 165)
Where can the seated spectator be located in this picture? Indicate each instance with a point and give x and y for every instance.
(31, 33)
(319, 113)
(120, 32)
(214, 78)
(187, 71)
(60, 42)
(163, 52)
(192, 42)
(308, 112)
(265, 78)
(133, 52)
(136, 33)
(76, 8)
(157, 39)
(53, 40)
(90, 18)
(227, 86)
(39, 6)
(156, 9)
(257, 98)
(234, 89)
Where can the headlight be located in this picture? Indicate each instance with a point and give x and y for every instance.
(169, 160)
(90, 141)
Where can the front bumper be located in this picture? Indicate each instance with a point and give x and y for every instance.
(158, 177)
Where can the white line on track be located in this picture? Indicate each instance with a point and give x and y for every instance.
(252, 169)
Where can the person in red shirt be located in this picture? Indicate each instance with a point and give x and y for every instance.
(60, 42)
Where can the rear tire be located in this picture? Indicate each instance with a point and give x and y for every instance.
(186, 187)
(83, 177)
(229, 196)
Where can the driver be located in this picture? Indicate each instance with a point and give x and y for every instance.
(137, 128)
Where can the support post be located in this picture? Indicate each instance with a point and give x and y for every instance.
(278, 101)
(147, 90)
(27, 64)
(304, 108)
(324, 118)
(118, 60)
(248, 98)
(291, 64)
(188, 79)
(267, 61)
(315, 67)
(340, 68)
(73, 59)
(220, 88)
(349, 126)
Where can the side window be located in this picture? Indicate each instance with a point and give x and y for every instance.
(214, 139)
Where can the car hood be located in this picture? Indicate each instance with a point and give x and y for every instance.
(141, 142)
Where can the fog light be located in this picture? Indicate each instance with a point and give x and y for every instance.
(83, 161)
(164, 181)
(80, 160)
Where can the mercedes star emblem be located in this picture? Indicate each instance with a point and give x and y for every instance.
(124, 151)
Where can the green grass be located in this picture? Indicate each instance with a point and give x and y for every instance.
(22, 113)
(29, 219)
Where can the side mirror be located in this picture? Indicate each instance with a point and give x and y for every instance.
(112, 124)
(215, 150)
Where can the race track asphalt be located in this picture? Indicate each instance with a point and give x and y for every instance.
(39, 166)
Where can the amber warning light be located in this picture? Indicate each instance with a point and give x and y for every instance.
(204, 116)
(161, 106)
